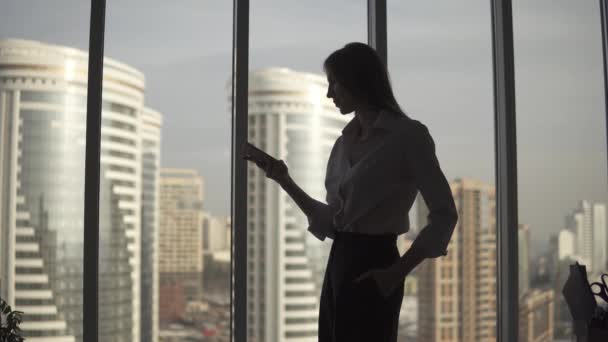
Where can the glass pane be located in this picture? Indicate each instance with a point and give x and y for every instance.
(165, 180)
(291, 119)
(440, 59)
(43, 96)
(561, 138)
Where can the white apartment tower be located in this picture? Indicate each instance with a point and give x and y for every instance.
(150, 133)
(583, 229)
(588, 223)
(291, 119)
(565, 245)
(523, 244)
(216, 233)
(600, 237)
(43, 91)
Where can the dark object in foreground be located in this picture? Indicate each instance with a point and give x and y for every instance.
(9, 323)
(590, 320)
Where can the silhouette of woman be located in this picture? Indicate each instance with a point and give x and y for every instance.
(374, 172)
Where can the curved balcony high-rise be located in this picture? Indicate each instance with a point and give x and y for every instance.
(43, 91)
(291, 118)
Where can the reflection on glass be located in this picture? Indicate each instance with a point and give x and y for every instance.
(561, 132)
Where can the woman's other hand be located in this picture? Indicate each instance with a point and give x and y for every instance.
(385, 279)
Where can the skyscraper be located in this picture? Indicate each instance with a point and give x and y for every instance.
(600, 237)
(216, 233)
(291, 119)
(180, 241)
(588, 222)
(151, 127)
(536, 316)
(457, 293)
(216, 246)
(565, 244)
(583, 228)
(43, 92)
(523, 245)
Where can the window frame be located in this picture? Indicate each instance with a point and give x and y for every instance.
(604, 22)
(505, 147)
(90, 289)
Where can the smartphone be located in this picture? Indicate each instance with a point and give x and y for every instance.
(258, 156)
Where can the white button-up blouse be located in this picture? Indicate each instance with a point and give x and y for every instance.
(375, 194)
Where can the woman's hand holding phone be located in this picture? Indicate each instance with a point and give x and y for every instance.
(274, 169)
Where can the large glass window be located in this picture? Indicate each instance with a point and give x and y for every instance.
(165, 185)
(43, 93)
(440, 59)
(291, 119)
(561, 140)
(164, 209)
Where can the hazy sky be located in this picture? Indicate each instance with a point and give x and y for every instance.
(440, 64)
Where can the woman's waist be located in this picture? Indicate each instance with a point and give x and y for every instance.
(381, 220)
(370, 228)
(381, 238)
(377, 250)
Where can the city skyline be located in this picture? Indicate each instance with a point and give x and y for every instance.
(281, 124)
(446, 83)
(43, 128)
(436, 71)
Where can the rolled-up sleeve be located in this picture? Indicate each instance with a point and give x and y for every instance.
(421, 159)
(320, 222)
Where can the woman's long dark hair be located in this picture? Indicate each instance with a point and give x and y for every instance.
(359, 68)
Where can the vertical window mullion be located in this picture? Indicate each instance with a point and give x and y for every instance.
(92, 173)
(506, 170)
(376, 27)
(604, 15)
(240, 74)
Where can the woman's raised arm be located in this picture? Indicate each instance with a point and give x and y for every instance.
(319, 214)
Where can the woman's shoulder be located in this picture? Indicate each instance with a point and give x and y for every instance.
(337, 146)
(411, 127)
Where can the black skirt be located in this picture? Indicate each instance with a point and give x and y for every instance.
(357, 312)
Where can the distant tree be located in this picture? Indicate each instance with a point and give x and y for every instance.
(9, 323)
